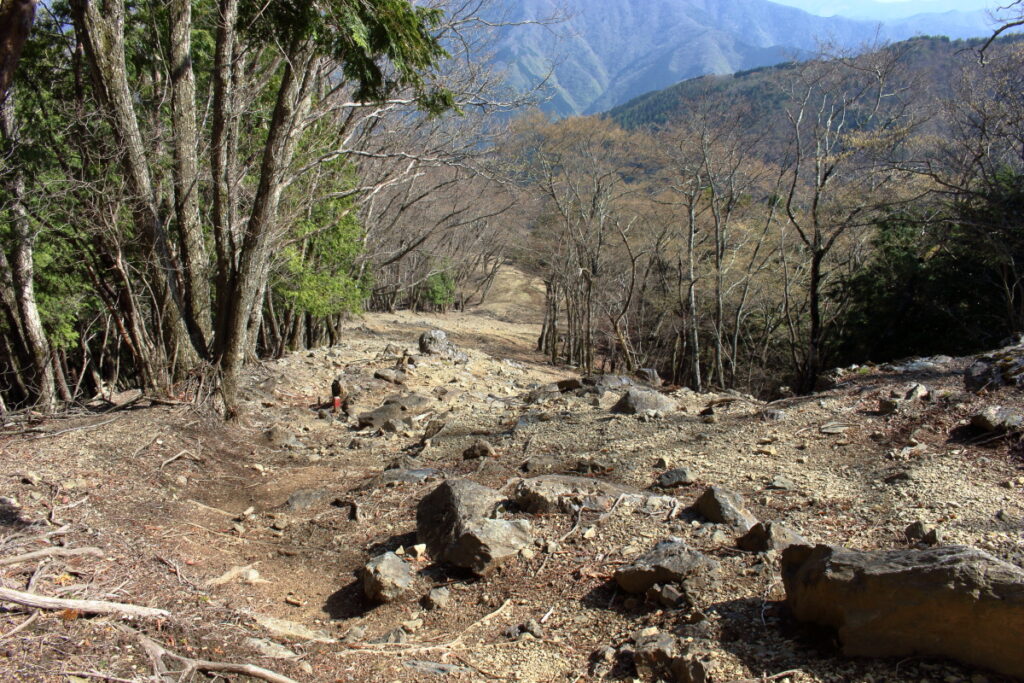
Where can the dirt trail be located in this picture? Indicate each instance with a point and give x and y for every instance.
(176, 500)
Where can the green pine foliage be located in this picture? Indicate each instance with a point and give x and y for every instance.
(319, 273)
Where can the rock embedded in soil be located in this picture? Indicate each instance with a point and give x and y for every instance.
(1000, 369)
(543, 463)
(390, 375)
(479, 449)
(680, 476)
(654, 654)
(954, 601)
(279, 437)
(417, 475)
(571, 384)
(722, 506)
(438, 598)
(640, 401)
(668, 562)
(306, 498)
(919, 532)
(763, 537)
(560, 493)
(485, 544)
(442, 514)
(997, 419)
(436, 343)
(398, 411)
(918, 392)
(387, 578)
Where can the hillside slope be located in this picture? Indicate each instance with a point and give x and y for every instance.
(252, 535)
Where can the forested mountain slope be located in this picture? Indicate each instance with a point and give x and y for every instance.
(608, 51)
(927, 59)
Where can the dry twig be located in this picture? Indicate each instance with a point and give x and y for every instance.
(157, 653)
(71, 429)
(55, 551)
(21, 627)
(84, 606)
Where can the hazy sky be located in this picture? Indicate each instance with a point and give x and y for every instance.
(888, 8)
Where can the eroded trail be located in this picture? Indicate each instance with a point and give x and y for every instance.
(252, 535)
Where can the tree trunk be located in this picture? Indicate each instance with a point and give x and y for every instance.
(102, 33)
(22, 274)
(247, 284)
(185, 171)
(16, 18)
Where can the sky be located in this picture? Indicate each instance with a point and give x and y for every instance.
(887, 9)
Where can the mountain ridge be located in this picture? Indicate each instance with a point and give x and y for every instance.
(610, 51)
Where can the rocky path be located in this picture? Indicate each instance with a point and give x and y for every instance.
(494, 518)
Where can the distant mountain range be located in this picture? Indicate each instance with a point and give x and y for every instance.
(610, 51)
(930, 60)
(886, 11)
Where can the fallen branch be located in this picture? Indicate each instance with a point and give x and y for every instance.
(84, 606)
(158, 652)
(764, 679)
(56, 551)
(579, 517)
(402, 648)
(171, 459)
(71, 429)
(21, 627)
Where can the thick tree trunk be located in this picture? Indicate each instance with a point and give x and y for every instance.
(221, 156)
(22, 276)
(247, 284)
(16, 18)
(185, 171)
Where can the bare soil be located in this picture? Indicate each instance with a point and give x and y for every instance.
(176, 500)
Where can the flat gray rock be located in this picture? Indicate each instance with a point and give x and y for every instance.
(668, 562)
(639, 401)
(954, 601)
(561, 492)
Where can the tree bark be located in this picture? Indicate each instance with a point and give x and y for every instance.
(247, 284)
(16, 18)
(185, 172)
(101, 27)
(22, 271)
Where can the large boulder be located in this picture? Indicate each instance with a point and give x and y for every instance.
(953, 601)
(562, 492)
(998, 419)
(441, 514)
(1004, 367)
(387, 578)
(638, 401)
(724, 507)
(601, 383)
(436, 343)
(456, 522)
(668, 562)
(485, 544)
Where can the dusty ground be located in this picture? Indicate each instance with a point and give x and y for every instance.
(176, 499)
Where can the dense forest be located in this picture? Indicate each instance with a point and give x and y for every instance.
(188, 186)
